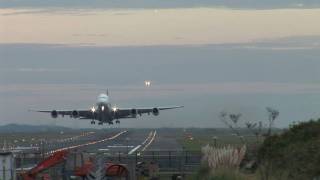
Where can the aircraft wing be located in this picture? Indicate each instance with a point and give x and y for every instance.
(132, 112)
(82, 114)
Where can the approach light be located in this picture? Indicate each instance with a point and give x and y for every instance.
(102, 108)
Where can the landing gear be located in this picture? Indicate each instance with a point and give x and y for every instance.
(117, 122)
(93, 122)
(100, 123)
(110, 123)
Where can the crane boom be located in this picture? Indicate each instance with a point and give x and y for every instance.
(56, 158)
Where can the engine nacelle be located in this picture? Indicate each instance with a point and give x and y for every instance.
(75, 114)
(155, 111)
(134, 112)
(54, 114)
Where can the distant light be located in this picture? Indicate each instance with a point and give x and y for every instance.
(147, 83)
(102, 108)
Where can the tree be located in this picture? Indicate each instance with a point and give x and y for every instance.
(231, 120)
(272, 115)
(255, 129)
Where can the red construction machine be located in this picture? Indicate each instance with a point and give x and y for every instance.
(53, 160)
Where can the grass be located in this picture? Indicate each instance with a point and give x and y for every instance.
(199, 141)
(194, 140)
(27, 139)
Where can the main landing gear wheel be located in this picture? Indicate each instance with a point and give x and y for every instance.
(100, 123)
(117, 122)
(92, 122)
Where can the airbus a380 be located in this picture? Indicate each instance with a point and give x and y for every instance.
(103, 112)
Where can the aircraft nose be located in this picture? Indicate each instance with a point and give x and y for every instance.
(103, 99)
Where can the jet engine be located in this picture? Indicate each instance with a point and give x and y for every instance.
(155, 111)
(54, 114)
(75, 114)
(134, 112)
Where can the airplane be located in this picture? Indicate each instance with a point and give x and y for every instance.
(103, 112)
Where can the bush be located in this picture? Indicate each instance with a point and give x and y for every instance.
(295, 154)
(205, 173)
(221, 163)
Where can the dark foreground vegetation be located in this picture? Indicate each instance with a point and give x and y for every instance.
(293, 154)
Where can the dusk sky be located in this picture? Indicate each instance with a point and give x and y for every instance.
(210, 56)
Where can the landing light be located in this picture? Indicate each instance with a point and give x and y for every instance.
(93, 109)
(102, 108)
(147, 83)
(114, 109)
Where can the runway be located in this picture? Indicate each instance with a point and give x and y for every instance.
(117, 141)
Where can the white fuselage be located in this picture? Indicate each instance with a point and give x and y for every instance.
(104, 111)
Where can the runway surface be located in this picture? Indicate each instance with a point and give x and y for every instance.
(117, 141)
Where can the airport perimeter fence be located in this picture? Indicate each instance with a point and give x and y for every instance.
(166, 160)
(163, 162)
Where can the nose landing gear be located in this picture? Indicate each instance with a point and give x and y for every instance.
(117, 122)
(93, 122)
